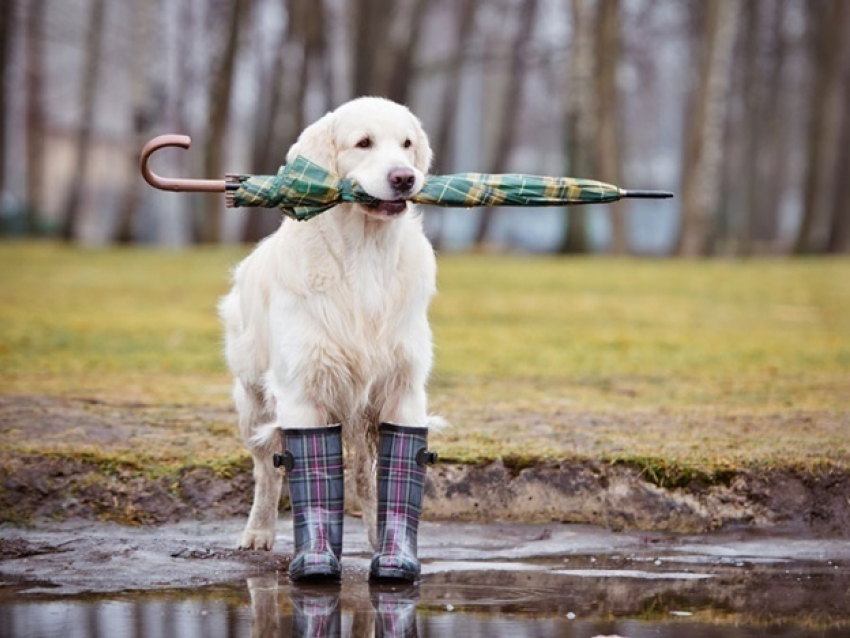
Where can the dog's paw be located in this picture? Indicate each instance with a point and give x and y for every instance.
(257, 539)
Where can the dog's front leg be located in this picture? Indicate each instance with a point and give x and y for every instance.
(260, 531)
(263, 442)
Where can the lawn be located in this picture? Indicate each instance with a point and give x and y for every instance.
(706, 364)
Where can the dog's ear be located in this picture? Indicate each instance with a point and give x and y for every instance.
(317, 144)
(423, 154)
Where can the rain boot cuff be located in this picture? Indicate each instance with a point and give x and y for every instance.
(420, 430)
(321, 429)
(286, 460)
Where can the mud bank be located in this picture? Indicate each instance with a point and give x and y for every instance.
(615, 496)
(619, 497)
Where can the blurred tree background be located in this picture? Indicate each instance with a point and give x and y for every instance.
(739, 106)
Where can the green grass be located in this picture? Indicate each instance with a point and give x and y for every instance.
(665, 364)
(752, 334)
(132, 324)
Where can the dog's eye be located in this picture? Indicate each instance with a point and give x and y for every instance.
(407, 143)
(366, 142)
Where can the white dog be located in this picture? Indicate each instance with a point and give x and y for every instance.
(327, 319)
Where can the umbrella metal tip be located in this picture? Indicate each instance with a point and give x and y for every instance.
(640, 194)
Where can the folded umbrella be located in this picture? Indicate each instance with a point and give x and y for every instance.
(303, 189)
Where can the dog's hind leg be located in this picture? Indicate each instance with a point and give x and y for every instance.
(260, 531)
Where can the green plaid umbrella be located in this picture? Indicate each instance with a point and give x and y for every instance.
(302, 190)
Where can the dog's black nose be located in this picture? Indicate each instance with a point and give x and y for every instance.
(401, 179)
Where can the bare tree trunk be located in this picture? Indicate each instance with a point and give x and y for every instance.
(372, 20)
(387, 34)
(830, 20)
(300, 65)
(268, 103)
(608, 131)
(221, 85)
(35, 114)
(311, 25)
(177, 97)
(749, 174)
(466, 11)
(465, 22)
(580, 121)
(769, 147)
(510, 111)
(88, 93)
(144, 18)
(6, 20)
(267, 149)
(406, 40)
(704, 137)
(839, 229)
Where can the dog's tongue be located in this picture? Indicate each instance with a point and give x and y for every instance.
(392, 207)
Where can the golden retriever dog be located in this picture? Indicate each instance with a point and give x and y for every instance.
(326, 322)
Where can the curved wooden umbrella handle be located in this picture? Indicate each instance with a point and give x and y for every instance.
(175, 183)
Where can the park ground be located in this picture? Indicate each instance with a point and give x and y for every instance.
(667, 395)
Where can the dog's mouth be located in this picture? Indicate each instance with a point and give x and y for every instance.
(391, 208)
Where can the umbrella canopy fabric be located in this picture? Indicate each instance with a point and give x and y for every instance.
(302, 190)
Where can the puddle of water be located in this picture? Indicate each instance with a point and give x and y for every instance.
(494, 580)
(456, 600)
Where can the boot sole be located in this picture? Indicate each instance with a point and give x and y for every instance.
(394, 574)
(324, 566)
(315, 576)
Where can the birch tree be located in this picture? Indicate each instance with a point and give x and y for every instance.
(35, 116)
(608, 130)
(580, 120)
(208, 222)
(386, 36)
(704, 134)
(839, 229)
(6, 20)
(141, 114)
(464, 15)
(830, 22)
(511, 98)
(768, 150)
(85, 130)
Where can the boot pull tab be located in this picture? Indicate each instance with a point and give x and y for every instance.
(285, 460)
(426, 457)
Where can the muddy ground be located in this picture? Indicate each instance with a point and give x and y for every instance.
(49, 471)
(82, 523)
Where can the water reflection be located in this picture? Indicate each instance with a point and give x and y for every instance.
(534, 603)
(316, 610)
(395, 611)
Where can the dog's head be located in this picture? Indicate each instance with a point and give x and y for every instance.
(376, 142)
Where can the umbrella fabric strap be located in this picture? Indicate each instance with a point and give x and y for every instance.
(302, 190)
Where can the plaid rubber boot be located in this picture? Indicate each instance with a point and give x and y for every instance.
(402, 456)
(313, 462)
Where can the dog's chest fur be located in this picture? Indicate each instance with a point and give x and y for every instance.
(367, 297)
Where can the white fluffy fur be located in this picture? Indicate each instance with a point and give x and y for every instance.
(327, 319)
